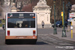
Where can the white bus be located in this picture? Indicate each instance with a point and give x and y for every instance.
(21, 27)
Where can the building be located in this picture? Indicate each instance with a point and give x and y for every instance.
(72, 15)
(43, 14)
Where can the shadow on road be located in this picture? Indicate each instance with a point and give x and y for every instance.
(38, 43)
(41, 43)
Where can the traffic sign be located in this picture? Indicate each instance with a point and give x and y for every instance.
(71, 19)
(71, 15)
(61, 13)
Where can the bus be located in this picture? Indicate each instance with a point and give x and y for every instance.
(21, 27)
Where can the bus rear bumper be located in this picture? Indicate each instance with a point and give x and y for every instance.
(20, 41)
(21, 37)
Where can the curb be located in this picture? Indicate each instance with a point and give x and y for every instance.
(65, 40)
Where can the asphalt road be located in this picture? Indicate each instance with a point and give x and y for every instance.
(43, 42)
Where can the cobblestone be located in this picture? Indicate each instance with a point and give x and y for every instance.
(54, 41)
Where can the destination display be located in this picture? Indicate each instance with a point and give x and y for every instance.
(21, 15)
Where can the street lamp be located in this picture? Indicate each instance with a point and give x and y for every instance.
(63, 31)
(55, 29)
(68, 6)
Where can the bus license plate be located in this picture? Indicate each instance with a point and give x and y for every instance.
(20, 37)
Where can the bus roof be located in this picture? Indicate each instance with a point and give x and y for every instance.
(19, 12)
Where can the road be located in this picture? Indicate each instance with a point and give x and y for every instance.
(44, 42)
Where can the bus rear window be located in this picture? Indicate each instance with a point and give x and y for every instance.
(21, 23)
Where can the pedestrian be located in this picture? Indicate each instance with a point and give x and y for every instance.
(42, 24)
(3, 26)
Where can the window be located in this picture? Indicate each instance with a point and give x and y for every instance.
(18, 4)
(21, 23)
(21, 20)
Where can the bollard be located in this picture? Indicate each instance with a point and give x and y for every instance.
(71, 30)
(71, 33)
(68, 29)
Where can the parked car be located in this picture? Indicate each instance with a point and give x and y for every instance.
(59, 24)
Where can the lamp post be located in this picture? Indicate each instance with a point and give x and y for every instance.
(63, 31)
(55, 29)
(68, 6)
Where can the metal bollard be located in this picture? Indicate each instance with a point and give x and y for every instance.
(71, 30)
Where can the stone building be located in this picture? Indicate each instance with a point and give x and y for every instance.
(11, 6)
(43, 13)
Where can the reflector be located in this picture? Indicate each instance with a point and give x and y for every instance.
(8, 32)
(33, 31)
(33, 17)
(8, 17)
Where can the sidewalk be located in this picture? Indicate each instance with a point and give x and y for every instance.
(67, 39)
(0, 27)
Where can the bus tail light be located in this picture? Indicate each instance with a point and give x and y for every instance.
(34, 32)
(8, 32)
(8, 17)
(33, 17)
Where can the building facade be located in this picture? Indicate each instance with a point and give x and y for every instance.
(11, 6)
(43, 14)
(72, 14)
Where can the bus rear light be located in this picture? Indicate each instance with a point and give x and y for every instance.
(33, 17)
(8, 32)
(8, 17)
(34, 32)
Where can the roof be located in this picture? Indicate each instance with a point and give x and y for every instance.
(41, 4)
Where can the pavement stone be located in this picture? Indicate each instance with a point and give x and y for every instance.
(57, 36)
(51, 40)
(67, 39)
(0, 27)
